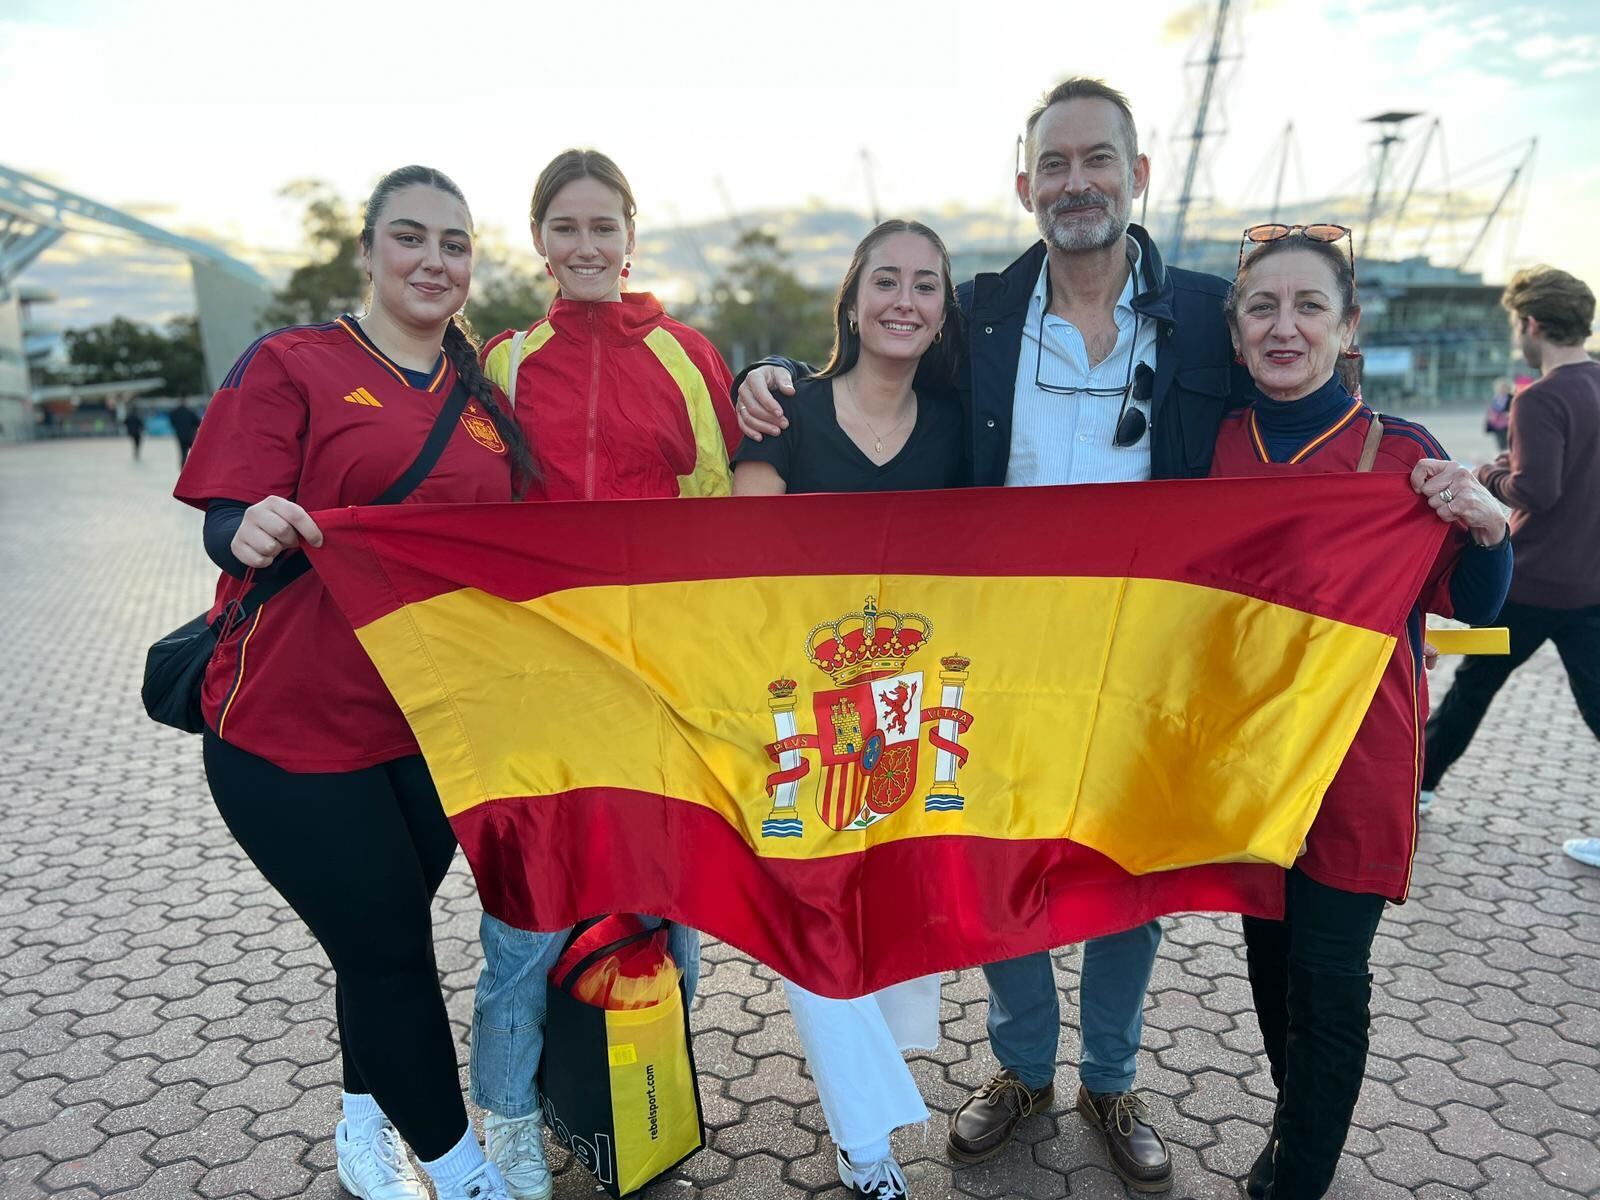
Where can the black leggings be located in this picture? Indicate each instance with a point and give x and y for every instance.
(359, 855)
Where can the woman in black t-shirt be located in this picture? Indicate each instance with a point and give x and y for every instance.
(881, 416)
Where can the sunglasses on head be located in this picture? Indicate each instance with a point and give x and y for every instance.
(1273, 232)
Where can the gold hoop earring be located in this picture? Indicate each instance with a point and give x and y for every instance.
(938, 337)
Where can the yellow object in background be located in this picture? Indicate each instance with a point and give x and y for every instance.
(1493, 640)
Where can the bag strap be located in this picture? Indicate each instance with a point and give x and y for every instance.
(1369, 449)
(516, 365)
(594, 956)
(443, 426)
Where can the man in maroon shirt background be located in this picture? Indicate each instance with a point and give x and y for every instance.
(1550, 478)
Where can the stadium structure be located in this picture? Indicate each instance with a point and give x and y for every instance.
(230, 295)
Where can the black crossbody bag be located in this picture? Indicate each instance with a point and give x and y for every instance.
(175, 667)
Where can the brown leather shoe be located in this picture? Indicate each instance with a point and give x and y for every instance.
(1138, 1151)
(984, 1123)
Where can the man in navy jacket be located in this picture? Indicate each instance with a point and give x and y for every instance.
(1088, 361)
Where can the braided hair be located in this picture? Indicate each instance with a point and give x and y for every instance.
(460, 346)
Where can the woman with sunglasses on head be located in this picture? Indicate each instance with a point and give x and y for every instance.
(619, 401)
(311, 763)
(881, 416)
(1293, 314)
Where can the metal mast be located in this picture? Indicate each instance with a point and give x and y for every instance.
(1388, 136)
(1494, 212)
(1411, 184)
(1283, 163)
(872, 191)
(1186, 196)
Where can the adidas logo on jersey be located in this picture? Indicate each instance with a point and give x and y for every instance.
(362, 396)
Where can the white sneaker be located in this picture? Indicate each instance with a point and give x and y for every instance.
(882, 1180)
(516, 1147)
(1585, 850)
(483, 1184)
(376, 1167)
(1424, 802)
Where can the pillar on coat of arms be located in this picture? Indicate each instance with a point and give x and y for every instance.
(945, 795)
(784, 819)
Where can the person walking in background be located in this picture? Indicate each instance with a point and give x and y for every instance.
(1498, 417)
(185, 424)
(1550, 478)
(309, 759)
(618, 401)
(134, 424)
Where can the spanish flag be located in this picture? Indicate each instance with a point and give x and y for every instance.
(869, 737)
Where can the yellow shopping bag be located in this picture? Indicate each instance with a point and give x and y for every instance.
(618, 1085)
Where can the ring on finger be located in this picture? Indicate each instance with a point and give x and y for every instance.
(1447, 496)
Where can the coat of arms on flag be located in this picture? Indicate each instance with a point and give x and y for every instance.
(868, 725)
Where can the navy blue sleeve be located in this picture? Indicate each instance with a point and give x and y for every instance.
(1481, 580)
(797, 370)
(223, 518)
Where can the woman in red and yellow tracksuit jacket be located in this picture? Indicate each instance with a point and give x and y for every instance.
(618, 401)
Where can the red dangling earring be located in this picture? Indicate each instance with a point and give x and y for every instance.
(547, 269)
(1238, 359)
(627, 266)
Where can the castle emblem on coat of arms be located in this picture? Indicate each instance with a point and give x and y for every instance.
(869, 725)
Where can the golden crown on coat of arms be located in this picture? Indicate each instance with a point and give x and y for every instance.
(868, 642)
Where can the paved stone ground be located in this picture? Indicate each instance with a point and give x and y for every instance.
(165, 1024)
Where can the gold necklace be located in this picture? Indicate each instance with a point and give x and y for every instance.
(877, 438)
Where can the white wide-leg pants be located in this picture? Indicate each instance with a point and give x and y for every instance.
(854, 1050)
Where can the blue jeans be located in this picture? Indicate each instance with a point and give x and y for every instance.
(508, 1011)
(1025, 1010)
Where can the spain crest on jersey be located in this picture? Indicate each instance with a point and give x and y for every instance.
(869, 726)
(482, 430)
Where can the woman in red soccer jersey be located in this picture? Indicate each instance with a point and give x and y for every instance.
(310, 761)
(618, 401)
(1293, 313)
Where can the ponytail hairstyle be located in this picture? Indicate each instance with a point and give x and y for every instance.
(459, 346)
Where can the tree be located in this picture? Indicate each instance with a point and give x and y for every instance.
(121, 349)
(760, 307)
(506, 293)
(333, 282)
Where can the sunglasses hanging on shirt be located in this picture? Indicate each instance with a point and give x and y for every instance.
(1131, 422)
(1139, 384)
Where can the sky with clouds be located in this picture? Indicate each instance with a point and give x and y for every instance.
(196, 115)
